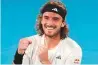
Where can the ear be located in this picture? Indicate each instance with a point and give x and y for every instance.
(63, 24)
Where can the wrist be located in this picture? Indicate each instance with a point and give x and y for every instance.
(18, 58)
(20, 51)
(45, 62)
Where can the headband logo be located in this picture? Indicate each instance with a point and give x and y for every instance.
(55, 9)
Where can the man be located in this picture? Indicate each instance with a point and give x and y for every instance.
(51, 45)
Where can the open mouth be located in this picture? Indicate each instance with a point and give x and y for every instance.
(49, 28)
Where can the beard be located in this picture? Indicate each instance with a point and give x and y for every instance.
(56, 31)
(51, 36)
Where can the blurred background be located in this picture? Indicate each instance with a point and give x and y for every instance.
(19, 19)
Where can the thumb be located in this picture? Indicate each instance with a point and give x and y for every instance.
(30, 41)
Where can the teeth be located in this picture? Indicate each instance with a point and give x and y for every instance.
(50, 28)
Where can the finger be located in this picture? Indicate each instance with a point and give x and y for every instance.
(42, 50)
(29, 40)
(24, 46)
(25, 39)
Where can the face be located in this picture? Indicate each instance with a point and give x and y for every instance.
(52, 23)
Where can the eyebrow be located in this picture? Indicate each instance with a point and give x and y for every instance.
(45, 16)
(48, 16)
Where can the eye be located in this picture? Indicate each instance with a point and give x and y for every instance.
(46, 17)
(55, 18)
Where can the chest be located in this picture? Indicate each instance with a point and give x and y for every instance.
(59, 54)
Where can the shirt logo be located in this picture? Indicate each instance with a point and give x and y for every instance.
(55, 9)
(58, 57)
(76, 61)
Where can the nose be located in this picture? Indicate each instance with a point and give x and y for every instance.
(50, 22)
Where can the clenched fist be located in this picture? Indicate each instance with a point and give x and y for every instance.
(43, 54)
(23, 44)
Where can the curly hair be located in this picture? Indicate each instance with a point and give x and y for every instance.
(63, 31)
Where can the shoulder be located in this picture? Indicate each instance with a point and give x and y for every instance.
(71, 43)
(72, 46)
(75, 50)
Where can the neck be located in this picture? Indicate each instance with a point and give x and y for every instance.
(52, 41)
